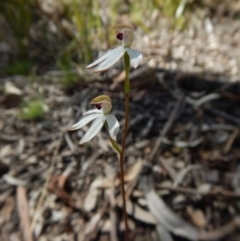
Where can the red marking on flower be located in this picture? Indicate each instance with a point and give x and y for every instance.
(119, 36)
(99, 106)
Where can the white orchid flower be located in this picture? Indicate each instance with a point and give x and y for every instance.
(125, 34)
(100, 115)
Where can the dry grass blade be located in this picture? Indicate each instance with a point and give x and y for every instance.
(231, 140)
(23, 213)
(111, 194)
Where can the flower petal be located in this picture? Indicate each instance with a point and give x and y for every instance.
(94, 111)
(135, 57)
(116, 54)
(84, 121)
(103, 57)
(113, 126)
(93, 130)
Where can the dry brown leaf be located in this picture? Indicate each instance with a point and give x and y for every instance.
(56, 185)
(139, 213)
(167, 163)
(6, 151)
(52, 7)
(163, 233)
(93, 223)
(90, 200)
(120, 77)
(168, 218)
(221, 232)
(181, 175)
(133, 171)
(101, 182)
(6, 210)
(131, 225)
(107, 226)
(10, 89)
(204, 188)
(13, 180)
(197, 217)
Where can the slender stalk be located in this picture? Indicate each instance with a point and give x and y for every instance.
(127, 91)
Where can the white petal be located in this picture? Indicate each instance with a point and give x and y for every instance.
(115, 55)
(100, 59)
(94, 111)
(113, 125)
(135, 57)
(84, 121)
(93, 130)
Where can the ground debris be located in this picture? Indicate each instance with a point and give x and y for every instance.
(187, 142)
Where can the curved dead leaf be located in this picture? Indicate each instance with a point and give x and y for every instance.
(169, 219)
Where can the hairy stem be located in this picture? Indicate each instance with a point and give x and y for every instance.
(127, 91)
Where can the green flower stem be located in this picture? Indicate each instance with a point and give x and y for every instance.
(127, 68)
(127, 91)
